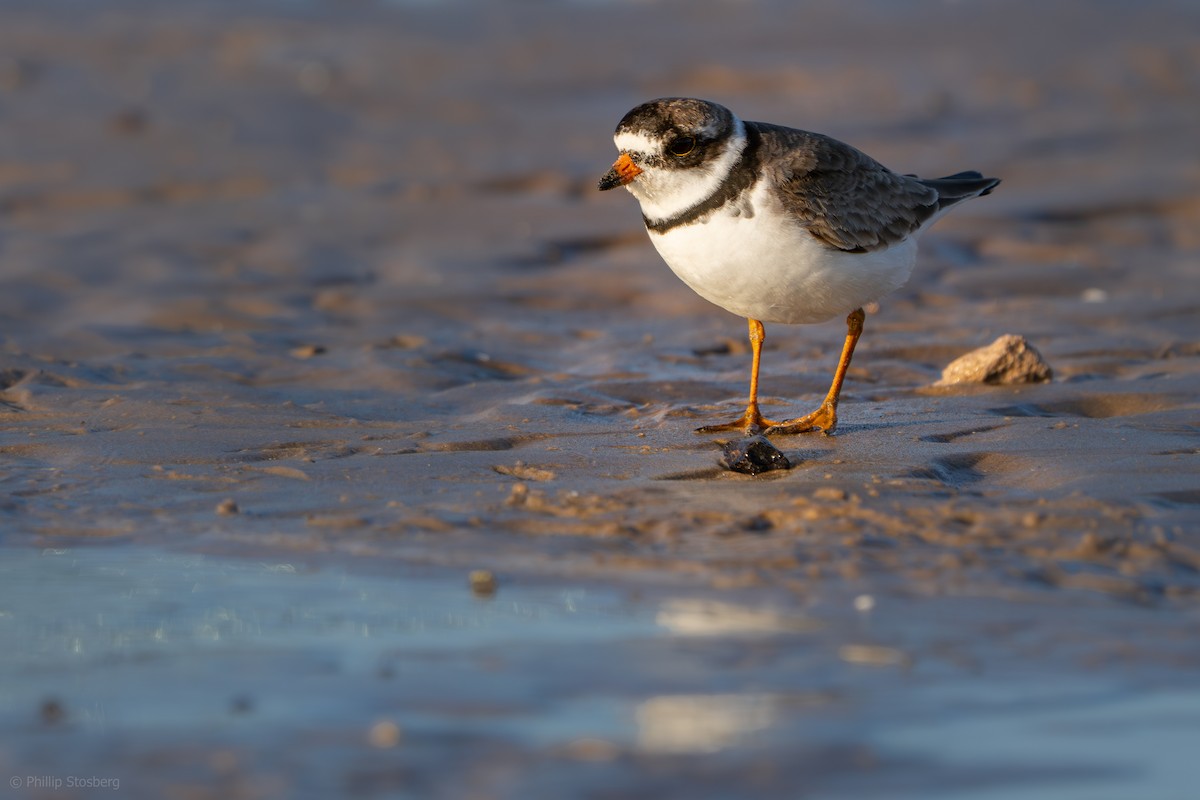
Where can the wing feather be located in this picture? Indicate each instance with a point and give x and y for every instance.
(848, 200)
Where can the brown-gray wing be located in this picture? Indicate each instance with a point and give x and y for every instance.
(848, 200)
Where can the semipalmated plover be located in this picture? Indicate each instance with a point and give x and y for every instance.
(776, 224)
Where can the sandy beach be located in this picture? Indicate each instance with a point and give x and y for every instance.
(308, 295)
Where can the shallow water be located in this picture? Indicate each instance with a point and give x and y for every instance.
(306, 679)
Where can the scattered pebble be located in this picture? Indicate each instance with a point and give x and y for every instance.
(832, 493)
(752, 456)
(307, 350)
(1009, 359)
(483, 582)
(872, 655)
(384, 734)
(864, 603)
(284, 472)
(228, 507)
(52, 711)
(403, 341)
(759, 523)
(525, 472)
(519, 495)
(1090, 545)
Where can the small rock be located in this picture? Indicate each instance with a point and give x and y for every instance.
(1091, 546)
(403, 341)
(872, 655)
(52, 711)
(864, 603)
(1009, 359)
(483, 582)
(753, 455)
(227, 507)
(385, 734)
(525, 472)
(308, 350)
(759, 523)
(518, 496)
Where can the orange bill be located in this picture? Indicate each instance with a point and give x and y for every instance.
(622, 172)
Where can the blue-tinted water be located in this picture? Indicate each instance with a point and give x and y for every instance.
(112, 658)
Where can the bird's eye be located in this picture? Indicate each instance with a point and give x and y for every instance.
(682, 145)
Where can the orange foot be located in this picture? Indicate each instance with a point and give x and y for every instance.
(749, 423)
(824, 419)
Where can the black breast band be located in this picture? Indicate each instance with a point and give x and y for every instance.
(741, 177)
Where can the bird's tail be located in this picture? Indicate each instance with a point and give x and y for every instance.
(961, 186)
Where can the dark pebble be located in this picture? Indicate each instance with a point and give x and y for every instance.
(753, 455)
(52, 711)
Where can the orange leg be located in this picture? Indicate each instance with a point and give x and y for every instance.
(751, 422)
(824, 419)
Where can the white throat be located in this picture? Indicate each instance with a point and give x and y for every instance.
(662, 192)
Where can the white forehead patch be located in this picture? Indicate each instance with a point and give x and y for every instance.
(628, 141)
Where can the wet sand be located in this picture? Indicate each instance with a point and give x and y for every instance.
(330, 285)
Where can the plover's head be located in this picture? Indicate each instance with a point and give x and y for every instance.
(675, 152)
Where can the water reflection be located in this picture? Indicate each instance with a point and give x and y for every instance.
(701, 723)
(715, 618)
(413, 669)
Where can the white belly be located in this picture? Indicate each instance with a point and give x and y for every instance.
(765, 267)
